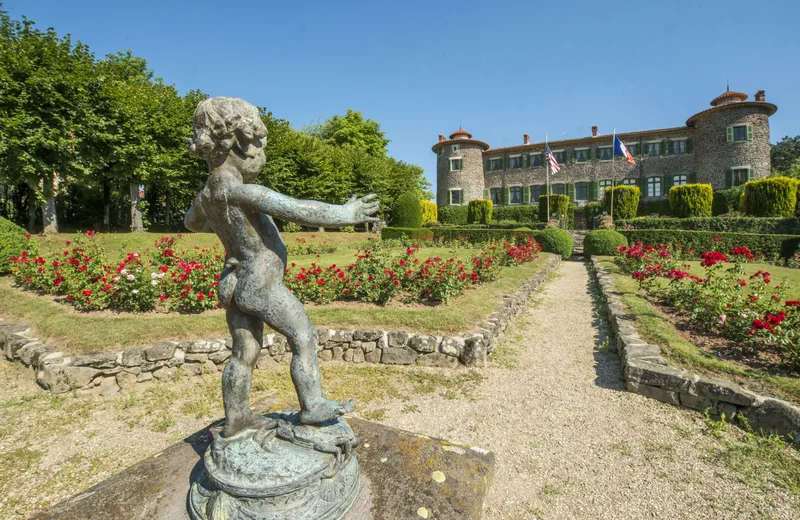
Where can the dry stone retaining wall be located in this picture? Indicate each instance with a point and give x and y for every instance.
(646, 372)
(109, 372)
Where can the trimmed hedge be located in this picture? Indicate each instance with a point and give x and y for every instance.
(479, 211)
(388, 233)
(13, 242)
(603, 242)
(691, 200)
(453, 215)
(764, 225)
(771, 246)
(480, 235)
(726, 201)
(555, 241)
(654, 207)
(559, 204)
(526, 213)
(626, 201)
(770, 197)
(407, 210)
(594, 210)
(429, 212)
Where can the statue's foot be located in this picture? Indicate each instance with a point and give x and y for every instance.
(250, 421)
(324, 411)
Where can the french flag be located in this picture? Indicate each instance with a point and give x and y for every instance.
(619, 149)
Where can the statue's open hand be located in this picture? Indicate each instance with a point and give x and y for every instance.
(358, 210)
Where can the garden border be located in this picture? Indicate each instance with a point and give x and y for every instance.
(647, 373)
(109, 372)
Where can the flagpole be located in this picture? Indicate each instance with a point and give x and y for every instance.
(547, 180)
(613, 154)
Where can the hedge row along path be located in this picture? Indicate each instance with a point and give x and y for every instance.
(570, 442)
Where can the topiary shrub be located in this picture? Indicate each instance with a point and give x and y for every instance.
(479, 211)
(603, 242)
(594, 210)
(389, 233)
(430, 212)
(726, 201)
(13, 241)
(626, 201)
(691, 200)
(770, 197)
(407, 211)
(453, 215)
(556, 241)
(521, 213)
(559, 204)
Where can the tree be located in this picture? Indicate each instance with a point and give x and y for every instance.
(353, 132)
(785, 153)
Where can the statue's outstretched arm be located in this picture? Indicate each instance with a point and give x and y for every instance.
(311, 213)
(195, 219)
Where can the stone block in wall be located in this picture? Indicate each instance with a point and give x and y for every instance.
(424, 343)
(341, 336)
(196, 358)
(398, 338)
(437, 359)
(265, 361)
(14, 342)
(666, 396)
(323, 335)
(220, 356)
(374, 356)
(651, 374)
(192, 369)
(144, 376)
(774, 415)
(165, 373)
(348, 354)
(728, 410)
(367, 335)
(368, 346)
(102, 360)
(338, 353)
(475, 351)
(126, 380)
(210, 367)
(358, 355)
(32, 353)
(694, 401)
(132, 358)
(326, 355)
(726, 391)
(160, 351)
(51, 358)
(398, 356)
(201, 346)
(150, 366)
(60, 379)
(452, 346)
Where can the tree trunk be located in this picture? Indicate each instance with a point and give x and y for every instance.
(168, 204)
(137, 226)
(31, 210)
(49, 219)
(107, 205)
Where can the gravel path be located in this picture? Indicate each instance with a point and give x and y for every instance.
(571, 443)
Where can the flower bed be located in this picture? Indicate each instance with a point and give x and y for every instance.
(751, 311)
(170, 278)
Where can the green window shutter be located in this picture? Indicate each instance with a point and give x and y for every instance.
(663, 148)
(729, 133)
(666, 183)
(597, 153)
(689, 145)
(571, 191)
(526, 195)
(503, 163)
(749, 174)
(486, 194)
(729, 178)
(692, 178)
(506, 195)
(486, 164)
(749, 132)
(449, 197)
(526, 161)
(594, 188)
(642, 182)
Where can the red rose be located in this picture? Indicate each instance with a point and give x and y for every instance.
(87, 292)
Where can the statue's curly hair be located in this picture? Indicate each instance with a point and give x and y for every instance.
(223, 123)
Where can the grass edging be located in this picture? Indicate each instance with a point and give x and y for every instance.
(647, 373)
(169, 360)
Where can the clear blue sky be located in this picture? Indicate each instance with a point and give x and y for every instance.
(420, 67)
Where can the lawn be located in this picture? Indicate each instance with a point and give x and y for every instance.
(654, 327)
(76, 331)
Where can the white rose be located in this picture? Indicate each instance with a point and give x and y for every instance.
(135, 291)
(130, 277)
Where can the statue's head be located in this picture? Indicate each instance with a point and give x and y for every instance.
(229, 129)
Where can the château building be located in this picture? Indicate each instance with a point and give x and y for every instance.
(725, 146)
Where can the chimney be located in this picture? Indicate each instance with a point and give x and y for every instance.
(760, 97)
(442, 138)
(526, 139)
(594, 131)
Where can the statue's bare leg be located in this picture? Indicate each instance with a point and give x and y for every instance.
(282, 311)
(247, 332)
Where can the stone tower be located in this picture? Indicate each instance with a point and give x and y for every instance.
(459, 168)
(732, 139)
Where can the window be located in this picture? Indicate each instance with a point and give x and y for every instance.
(515, 162)
(455, 165)
(633, 148)
(441, 151)
(516, 194)
(559, 155)
(536, 192)
(739, 176)
(536, 160)
(654, 187)
(604, 185)
(495, 163)
(557, 189)
(581, 191)
(497, 197)
(679, 180)
(653, 149)
(628, 182)
(582, 155)
(456, 147)
(456, 196)
(678, 147)
(605, 153)
(740, 133)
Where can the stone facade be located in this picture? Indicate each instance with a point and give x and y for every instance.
(707, 155)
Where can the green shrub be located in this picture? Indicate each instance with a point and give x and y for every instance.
(479, 211)
(626, 201)
(430, 212)
(388, 233)
(691, 200)
(453, 215)
(771, 246)
(603, 242)
(513, 224)
(480, 235)
(526, 213)
(765, 225)
(726, 201)
(770, 197)
(594, 210)
(13, 242)
(559, 204)
(407, 211)
(653, 207)
(555, 241)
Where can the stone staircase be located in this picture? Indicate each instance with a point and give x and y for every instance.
(578, 237)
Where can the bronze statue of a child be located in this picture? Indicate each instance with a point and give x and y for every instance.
(230, 136)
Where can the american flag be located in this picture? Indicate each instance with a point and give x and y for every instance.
(554, 167)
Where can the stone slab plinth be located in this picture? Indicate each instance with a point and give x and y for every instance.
(403, 476)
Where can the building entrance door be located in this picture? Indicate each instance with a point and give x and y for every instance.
(580, 220)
